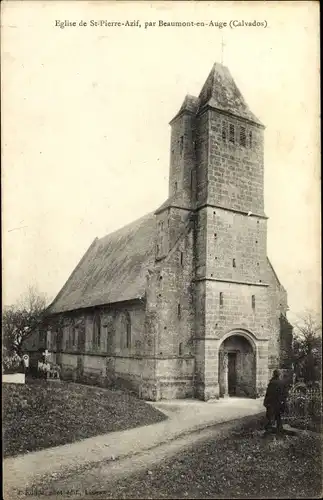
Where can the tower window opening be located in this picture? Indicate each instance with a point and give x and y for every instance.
(157, 248)
(97, 329)
(242, 136)
(175, 187)
(180, 349)
(181, 258)
(233, 262)
(253, 301)
(221, 299)
(224, 132)
(178, 310)
(181, 144)
(231, 133)
(128, 331)
(250, 139)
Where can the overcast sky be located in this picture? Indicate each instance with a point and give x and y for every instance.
(86, 135)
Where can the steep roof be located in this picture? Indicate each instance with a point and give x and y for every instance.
(221, 92)
(112, 270)
(190, 105)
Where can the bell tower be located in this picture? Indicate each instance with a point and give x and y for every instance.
(231, 226)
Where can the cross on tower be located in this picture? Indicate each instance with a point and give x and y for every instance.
(222, 50)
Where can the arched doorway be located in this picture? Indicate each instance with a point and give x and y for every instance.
(237, 366)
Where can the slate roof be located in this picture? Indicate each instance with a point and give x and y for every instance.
(221, 92)
(190, 104)
(113, 269)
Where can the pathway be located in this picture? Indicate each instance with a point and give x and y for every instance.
(185, 417)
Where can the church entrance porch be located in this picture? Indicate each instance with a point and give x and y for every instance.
(237, 367)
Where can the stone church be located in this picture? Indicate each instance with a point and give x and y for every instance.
(184, 302)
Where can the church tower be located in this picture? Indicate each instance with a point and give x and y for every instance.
(230, 280)
(217, 303)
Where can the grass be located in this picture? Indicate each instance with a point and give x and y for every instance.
(40, 415)
(247, 464)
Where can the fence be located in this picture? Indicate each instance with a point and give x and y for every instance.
(304, 406)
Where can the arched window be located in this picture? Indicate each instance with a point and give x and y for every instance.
(128, 331)
(97, 330)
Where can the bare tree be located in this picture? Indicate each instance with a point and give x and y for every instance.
(307, 347)
(22, 318)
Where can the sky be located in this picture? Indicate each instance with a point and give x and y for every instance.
(86, 133)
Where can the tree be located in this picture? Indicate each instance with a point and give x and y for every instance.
(22, 318)
(307, 348)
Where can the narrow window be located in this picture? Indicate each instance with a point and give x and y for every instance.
(175, 187)
(97, 330)
(231, 133)
(181, 258)
(233, 262)
(191, 179)
(162, 225)
(74, 336)
(243, 136)
(157, 248)
(224, 132)
(250, 139)
(178, 310)
(180, 349)
(221, 299)
(253, 301)
(181, 144)
(128, 331)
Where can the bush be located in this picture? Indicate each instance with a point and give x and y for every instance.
(12, 364)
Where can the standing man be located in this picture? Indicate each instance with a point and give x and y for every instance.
(274, 401)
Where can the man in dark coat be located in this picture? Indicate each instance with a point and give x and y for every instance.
(275, 400)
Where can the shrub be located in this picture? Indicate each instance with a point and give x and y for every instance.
(12, 364)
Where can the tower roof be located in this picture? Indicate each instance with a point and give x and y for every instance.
(221, 92)
(190, 105)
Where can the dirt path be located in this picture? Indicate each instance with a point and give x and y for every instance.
(78, 459)
(98, 478)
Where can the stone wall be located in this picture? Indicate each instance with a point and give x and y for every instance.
(235, 172)
(170, 312)
(182, 156)
(110, 360)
